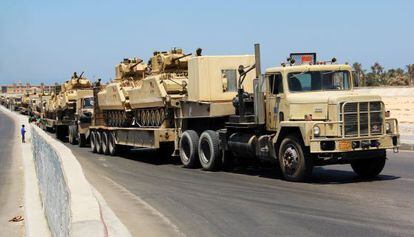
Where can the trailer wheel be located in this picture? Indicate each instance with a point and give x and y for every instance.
(369, 168)
(208, 150)
(113, 148)
(82, 140)
(189, 149)
(105, 143)
(98, 142)
(295, 163)
(72, 136)
(93, 141)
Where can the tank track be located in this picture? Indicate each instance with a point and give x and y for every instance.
(117, 118)
(150, 117)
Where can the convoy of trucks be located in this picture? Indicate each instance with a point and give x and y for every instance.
(216, 111)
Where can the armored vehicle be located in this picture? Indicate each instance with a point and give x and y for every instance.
(61, 108)
(180, 92)
(114, 97)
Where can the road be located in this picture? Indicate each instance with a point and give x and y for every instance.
(11, 179)
(255, 201)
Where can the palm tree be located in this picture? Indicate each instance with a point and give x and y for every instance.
(377, 73)
(410, 70)
(359, 73)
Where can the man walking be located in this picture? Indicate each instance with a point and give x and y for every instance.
(23, 133)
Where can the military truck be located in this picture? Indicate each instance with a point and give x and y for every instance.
(302, 114)
(64, 109)
(15, 102)
(308, 115)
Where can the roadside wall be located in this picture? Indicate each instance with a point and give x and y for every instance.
(70, 206)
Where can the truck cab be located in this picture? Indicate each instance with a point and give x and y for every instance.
(314, 105)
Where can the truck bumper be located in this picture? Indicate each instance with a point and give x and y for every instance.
(353, 144)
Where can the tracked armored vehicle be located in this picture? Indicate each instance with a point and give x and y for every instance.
(114, 101)
(179, 93)
(152, 101)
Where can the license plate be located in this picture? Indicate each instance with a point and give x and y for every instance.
(345, 145)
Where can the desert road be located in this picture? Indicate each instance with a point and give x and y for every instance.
(255, 201)
(248, 201)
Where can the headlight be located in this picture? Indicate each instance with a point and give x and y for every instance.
(316, 130)
(388, 127)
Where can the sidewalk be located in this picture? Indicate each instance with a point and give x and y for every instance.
(24, 177)
(11, 179)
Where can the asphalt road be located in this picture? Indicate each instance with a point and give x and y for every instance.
(255, 201)
(11, 179)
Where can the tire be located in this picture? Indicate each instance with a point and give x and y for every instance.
(189, 149)
(93, 141)
(82, 140)
(113, 148)
(368, 168)
(295, 162)
(98, 142)
(72, 136)
(209, 151)
(105, 143)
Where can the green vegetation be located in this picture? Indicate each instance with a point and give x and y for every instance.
(378, 76)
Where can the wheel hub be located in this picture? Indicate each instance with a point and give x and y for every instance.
(290, 159)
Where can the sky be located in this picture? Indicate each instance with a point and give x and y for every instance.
(46, 41)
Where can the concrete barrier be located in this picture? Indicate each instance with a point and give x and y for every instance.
(70, 206)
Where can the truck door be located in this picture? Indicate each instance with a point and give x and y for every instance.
(273, 100)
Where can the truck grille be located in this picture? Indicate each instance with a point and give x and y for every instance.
(361, 118)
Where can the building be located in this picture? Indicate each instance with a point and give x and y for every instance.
(20, 88)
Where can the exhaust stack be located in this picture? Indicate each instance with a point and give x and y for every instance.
(258, 83)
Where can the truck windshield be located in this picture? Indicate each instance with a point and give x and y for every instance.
(318, 81)
(88, 103)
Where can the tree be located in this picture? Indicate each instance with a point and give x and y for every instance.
(410, 69)
(376, 77)
(360, 75)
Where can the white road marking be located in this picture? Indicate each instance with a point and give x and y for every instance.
(148, 206)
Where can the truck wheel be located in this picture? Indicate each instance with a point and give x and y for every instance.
(294, 161)
(105, 143)
(72, 136)
(209, 151)
(113, 148)
(82, 140)
(368, 168)
(189, 149)
(93, 141)
(98, 142)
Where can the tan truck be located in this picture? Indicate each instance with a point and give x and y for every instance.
(64, 108)
(309, 115)
(299, 115)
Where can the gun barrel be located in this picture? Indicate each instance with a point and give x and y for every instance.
(185, 55)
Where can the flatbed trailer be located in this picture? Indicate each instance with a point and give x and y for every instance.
(110, 140)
